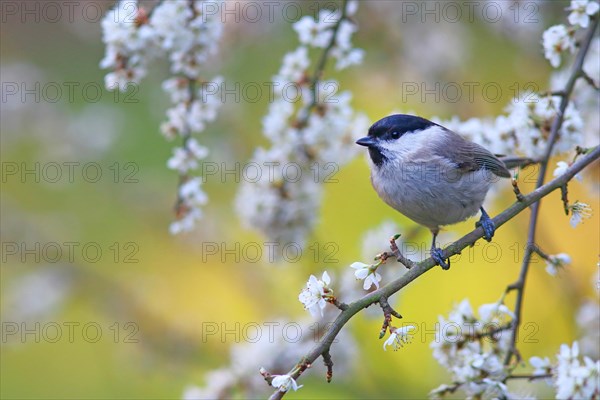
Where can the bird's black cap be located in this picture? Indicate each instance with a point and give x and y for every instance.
(399, 123)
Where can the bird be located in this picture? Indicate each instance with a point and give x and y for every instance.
(431, 174)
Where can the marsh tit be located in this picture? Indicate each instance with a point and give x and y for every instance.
(430, 174)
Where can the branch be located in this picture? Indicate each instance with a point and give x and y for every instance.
(329, 364)
(422, 267)
(388, 312)
(304, 114)
(457, 385)
(524, 201)
(519, 285)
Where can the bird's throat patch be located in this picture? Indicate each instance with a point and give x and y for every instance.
(376, 155)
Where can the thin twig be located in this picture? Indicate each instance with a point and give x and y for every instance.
(529, 377)
(388, 312)
(457, 385)
(564, 196)
(541, 253)
(342, 306)
(516, 189)
(397, 254)
(329, 364)
(589, 80)
(304, 114)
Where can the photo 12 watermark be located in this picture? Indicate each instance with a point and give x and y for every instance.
(69, 172)
(70, 251)
(69, 332)
(421, 332)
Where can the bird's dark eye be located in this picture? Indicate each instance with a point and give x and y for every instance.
(395, 135)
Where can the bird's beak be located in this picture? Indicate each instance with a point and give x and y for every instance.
(367, 141)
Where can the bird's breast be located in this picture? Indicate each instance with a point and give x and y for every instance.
(428, 195)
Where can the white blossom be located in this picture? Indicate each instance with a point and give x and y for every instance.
(186, 158)
(317, 134)
(376, 240)
(579, 211)
(347, 58)
(313, 33)
(294, 65)
(561, 168)
(556, 262)
(398, 337)
(178, 89)
(367, 273)
(191, 192)
(187, 34)
(351, 7)
(581, 11)
(344, 34)
(575, 379)
(474, 362)
(489, 312)
(525, 128)
(541, 366)
(128, 45)
(530, 118)
(314, 295)
(218, 383)
(556, 40)
(185, 223)
(588, 321)
(183, 32)
(281, 208)
(284, 383)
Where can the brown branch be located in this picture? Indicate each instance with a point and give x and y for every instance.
(516, 189)
(388, 312)
(519, 285)
(564, 196)
(456, 385)
(541, 253)
(397, 254)
(305, 112)
(342, 306)
(589, 80)
(317, 74)
(418, 269)
(518, 162)
(329, 364)
(529, 377)
(427, 264)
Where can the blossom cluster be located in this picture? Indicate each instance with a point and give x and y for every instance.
(182, 32)
(314, 133)
(473, 349)
(316, 294)
(573, 377)
(525, 128)
(283, 346)
(588, 321)
(554, 263)
(559, 38)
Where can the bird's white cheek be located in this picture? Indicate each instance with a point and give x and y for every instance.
(397, 148)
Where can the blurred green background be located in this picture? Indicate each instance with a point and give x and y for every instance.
(149, 313)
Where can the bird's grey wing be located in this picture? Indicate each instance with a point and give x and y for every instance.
(469, 156)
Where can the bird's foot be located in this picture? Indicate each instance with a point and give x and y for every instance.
(489, 228)
(438, 257)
